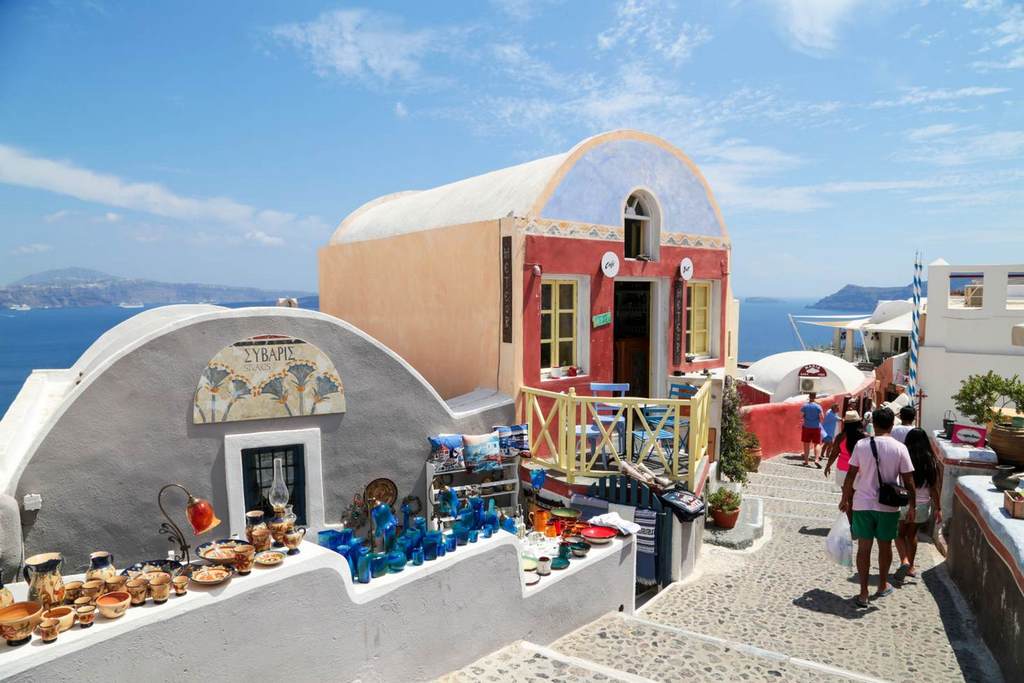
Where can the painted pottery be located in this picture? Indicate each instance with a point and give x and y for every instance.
(64, 615)
(72, 591)
(45, 584)
(210, 576)
(114, 584)
(566, 513)
(101, 566)
(48, 630)
(531, 579)
(85, 614)
(83, 602)
(559, 563)
(269, 558)
(256, 530)
(6, 599)
(598, 534)
(1005, 478)
(172, 567)
(160, 587)
(245, 553)
(278, 526)
(544, 565)
(221, 551)
(18, 620)
(113, 605)
(579, 549)
(138, 589)
(293, 539)
(180, 585)
(539, 519)
(92, 589)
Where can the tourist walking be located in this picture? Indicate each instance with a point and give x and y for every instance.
(876, 465)
(810, 428)
(926, 502)
(830, 426)
(907, 417)
(842, 447)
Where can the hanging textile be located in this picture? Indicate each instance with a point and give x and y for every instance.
(646, 547)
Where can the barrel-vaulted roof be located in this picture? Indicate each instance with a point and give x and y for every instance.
(588, 184)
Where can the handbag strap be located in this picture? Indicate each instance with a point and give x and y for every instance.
(878, 465)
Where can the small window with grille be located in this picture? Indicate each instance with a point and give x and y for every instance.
(258, 475)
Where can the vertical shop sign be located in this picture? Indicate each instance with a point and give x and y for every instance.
(677, 322)
(506, 289)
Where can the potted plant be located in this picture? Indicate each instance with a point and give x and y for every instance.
(725, 507)
(982, 398)
(751, 452)
(733, 461)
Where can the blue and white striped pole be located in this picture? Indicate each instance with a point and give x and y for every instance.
(915, 332)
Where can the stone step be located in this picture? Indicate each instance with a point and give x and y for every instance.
(665, 653)
(522, 662)
(818, 483)
(782, 492)
(812, 512)
(790, 466)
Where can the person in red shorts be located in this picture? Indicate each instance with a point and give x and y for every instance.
(810, 430)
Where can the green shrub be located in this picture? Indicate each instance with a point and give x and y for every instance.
(724, 500)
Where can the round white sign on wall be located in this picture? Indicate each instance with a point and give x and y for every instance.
(686, 268)
(610, 264)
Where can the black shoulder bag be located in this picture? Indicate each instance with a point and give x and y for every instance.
(892, 495)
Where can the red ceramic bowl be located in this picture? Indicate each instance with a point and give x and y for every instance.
(599, 534)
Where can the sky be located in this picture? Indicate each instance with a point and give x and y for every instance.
(223, 142)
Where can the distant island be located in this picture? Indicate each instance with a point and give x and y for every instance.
(81, 287)
(860, 298)
(761, 300)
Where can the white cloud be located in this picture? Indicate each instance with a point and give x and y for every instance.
(649, 24)
(1005, 145)
(920, 95)
(63, 177)
(108, 217)
(57, 216)
(519, 65)
(263, 239)
(937, 130)
(1005, 38)
(34, 248)
(360, 45)
(401, 111)
(813, 26)
(520, 10)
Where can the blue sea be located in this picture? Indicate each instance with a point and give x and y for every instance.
(56, 337)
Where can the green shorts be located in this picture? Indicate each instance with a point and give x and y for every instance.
(875, 524)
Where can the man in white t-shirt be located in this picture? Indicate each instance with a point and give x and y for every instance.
(873, 521)
(907, 417)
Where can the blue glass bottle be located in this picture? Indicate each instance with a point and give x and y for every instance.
(364, 569)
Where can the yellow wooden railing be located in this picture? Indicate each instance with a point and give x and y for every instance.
(588, 436)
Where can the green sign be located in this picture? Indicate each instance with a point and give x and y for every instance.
(602, 319)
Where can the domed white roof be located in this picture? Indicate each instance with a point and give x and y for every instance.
(778, 371)
(588, 184)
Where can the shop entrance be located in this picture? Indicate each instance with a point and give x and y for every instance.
(633, 336)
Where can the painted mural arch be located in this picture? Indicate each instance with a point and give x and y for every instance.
(267, 376)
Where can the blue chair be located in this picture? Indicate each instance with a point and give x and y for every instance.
(606, 414)
(654, 416)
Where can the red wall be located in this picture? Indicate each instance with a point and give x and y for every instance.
(569, 256)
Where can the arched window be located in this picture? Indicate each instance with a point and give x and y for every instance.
(641, 222)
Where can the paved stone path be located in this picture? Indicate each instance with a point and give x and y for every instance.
(779, 611)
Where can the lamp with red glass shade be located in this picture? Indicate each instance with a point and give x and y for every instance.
(198, 512)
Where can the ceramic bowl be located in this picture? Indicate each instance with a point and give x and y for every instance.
(579, 549)
(72, 591)
(220, 551)
(599, 534)
(269, 558)
(65, 615)
(113, 605)
(172, 567)
(210, 576)
(86, 614)
(19, 620)
(566, 513)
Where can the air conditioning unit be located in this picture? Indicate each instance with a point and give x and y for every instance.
(808, 384)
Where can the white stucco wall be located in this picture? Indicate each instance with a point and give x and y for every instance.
(307, 621)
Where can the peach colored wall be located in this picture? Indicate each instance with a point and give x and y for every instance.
(434, 297)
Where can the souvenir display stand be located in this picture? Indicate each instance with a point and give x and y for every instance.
(503, 486)
(308, 610)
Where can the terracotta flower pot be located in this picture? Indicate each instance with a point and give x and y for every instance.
(1008, 443)
(726, 520)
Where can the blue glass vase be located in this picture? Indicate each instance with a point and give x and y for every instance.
(378, 564)
(417, 557)
(363, 570)
(396, 561)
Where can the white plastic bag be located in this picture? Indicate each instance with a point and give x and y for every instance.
(839, 542)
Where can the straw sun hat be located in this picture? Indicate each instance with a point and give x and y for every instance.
(851, 416)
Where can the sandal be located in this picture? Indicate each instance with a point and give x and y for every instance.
(817, 464)
(863, 604)
(888, 591)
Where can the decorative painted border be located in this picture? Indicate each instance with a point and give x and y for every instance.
(554, 228)
(994, 542)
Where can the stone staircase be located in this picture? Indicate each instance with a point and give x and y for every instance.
(779, 611)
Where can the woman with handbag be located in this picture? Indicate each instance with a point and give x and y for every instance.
(926, 503)
(872, 492)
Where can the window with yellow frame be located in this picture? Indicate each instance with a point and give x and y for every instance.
(558, 308)
(698, 318)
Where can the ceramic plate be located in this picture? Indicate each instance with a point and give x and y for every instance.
(566, 513)
(210, 576)
(269, 558)
(528, 564)
(382, 490)
(172, 567)
(212, 551)
(531, 578)
(599, 534)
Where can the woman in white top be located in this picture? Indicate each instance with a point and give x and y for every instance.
(927, 479)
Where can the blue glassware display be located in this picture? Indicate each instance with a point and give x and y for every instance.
(363, 570)
(378, 564)
(396, 561)
(509, 525)
(488, 530)
(346, 536)
(329, 538)
(476, 504)
(430, 542)
(474, 534)
(442, 548)
(417, 556)
(449, 543)
(461, 533)
(490, 519)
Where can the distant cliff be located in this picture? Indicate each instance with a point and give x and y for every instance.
(859, 298)
(79, 287)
